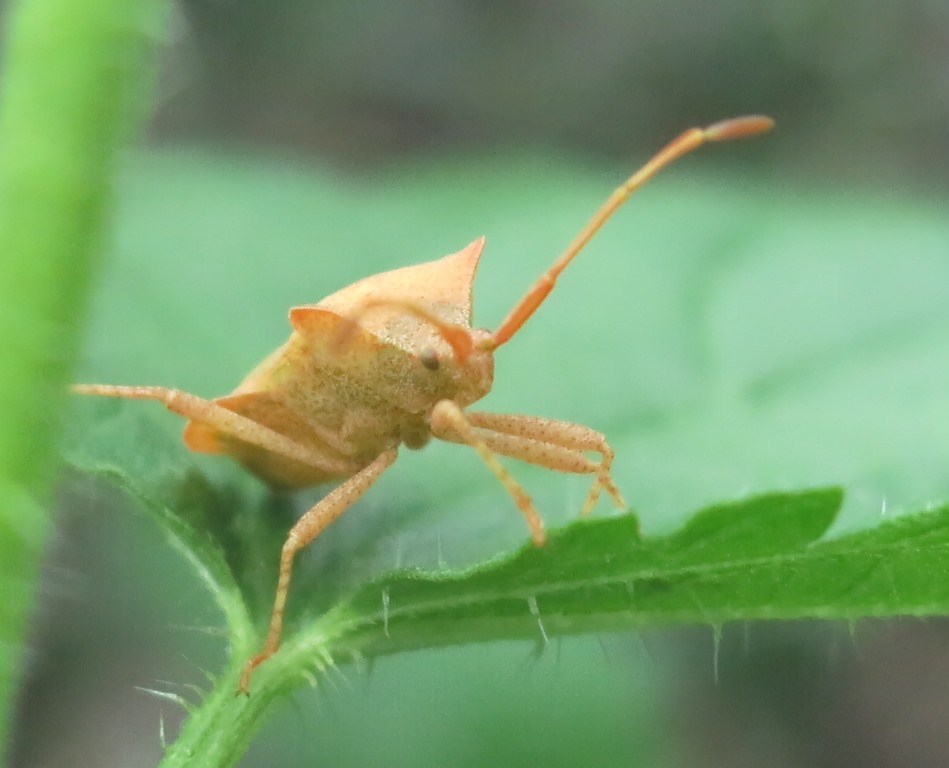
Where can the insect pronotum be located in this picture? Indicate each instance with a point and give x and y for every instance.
(393, 360)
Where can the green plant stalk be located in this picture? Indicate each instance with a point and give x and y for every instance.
(219, 730)
(74, 74)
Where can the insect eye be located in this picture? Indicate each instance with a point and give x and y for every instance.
(429, 358)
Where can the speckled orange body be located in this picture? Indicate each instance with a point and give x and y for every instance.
(355, 402)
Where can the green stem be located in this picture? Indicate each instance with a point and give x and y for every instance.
(74, 74)
(218, 731)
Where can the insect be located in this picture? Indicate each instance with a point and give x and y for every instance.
(392, 360)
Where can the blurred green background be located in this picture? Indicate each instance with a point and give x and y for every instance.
(360, 94)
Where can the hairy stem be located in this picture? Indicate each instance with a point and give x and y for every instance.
(74, 75)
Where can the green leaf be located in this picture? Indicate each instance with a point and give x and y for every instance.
(729, 343)
(756, 559)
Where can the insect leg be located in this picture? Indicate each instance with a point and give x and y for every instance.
(449, 422)
(538, 440)
(557, 445)
(308, 527)
(228, 422)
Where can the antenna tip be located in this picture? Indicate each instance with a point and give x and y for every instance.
(738, 127)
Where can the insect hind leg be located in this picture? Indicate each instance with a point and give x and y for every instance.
(226, 421)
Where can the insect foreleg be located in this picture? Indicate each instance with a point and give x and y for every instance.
(449, 422)
(557, 445)
(543, 441)
(308, 527)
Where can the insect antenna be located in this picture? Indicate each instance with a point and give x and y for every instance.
(735, 128)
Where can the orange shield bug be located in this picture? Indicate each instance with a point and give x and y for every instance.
(393, 360)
